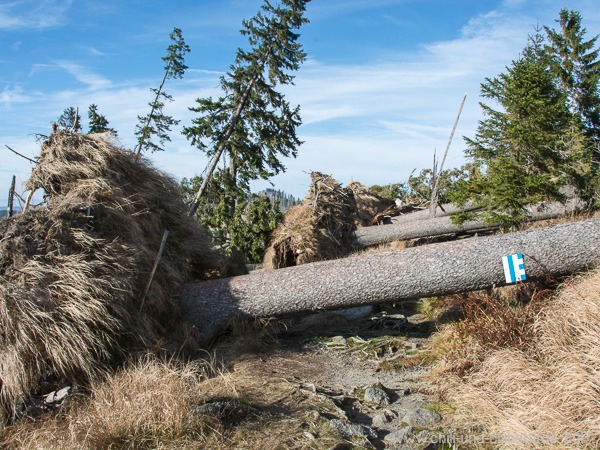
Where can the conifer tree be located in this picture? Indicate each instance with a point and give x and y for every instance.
(252, 121)
(156, 123)
(517, 152)
(97, 122)
(256, 216)
(70, 119)
(253, 227)
(576, 63)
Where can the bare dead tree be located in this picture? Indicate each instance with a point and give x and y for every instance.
(437, 174)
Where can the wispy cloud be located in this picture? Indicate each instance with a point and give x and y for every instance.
(95, 52)
(84, 74)
(13, 94)
(372, 121)
(33, 14)
(16, 46)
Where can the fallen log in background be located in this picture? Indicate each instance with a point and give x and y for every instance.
(439, 226)
(446, 209)
(372, 278)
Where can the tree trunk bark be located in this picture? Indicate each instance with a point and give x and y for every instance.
(372, 278)
(424, 214)
(11, 197)
(439, 226)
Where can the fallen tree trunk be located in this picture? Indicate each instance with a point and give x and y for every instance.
(372, 278)
(439, 226)
(446, 209)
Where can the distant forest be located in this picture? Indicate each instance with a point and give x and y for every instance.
(286, 201)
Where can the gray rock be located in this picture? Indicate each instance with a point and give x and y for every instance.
(424, 436)
(377, 396)
(356, 312)
(399, 437)
(349, 430)
(337, 341)
(383, 419)
(421, 417)
(57, 396)
(228, 410)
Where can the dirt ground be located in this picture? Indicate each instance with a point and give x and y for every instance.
(339, 382)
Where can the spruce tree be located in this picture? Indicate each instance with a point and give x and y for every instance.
(253, 226)
(576, 63)
(252, 121)
(70, 119)
(97, 122)
(517, 153)
(156, 123)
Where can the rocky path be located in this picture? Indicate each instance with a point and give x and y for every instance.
(356, 382)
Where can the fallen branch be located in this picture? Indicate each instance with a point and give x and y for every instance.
(372, 278)
(22, 156)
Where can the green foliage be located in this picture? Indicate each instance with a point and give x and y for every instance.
(156, 124)
(418, 187)
(70, 119)
(250, 229)
(97, 122)
(537, 140)
(575, 62)
(251, 121)
(390, 191)
(421, 185)
(253, 226)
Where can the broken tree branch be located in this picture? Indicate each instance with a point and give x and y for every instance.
(22, 156)
(437, 177)
(11, 197)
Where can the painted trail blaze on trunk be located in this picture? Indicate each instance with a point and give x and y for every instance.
(385, 277)
(514, 268)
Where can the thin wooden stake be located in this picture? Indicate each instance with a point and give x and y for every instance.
(156, 262)
(28, 200)
(11, 196)
(434, 191)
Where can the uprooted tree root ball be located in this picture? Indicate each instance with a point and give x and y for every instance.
(74, 272)
(368, 204)
(320, 228)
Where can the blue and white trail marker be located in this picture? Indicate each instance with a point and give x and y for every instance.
(514, 268)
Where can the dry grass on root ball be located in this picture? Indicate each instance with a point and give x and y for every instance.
(368, 204)
(320, 228)
(74, 272)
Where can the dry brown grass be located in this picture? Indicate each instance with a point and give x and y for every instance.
(368, 204)
(320, 228)
(73, 272)
(148, 405)
(156, 404)
(547, 390)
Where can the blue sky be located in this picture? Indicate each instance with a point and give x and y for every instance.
(378, 93)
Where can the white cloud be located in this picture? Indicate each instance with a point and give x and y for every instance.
(84, 75)
(368, 121)
(16, 46)
(13, 94)
(33, 14)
